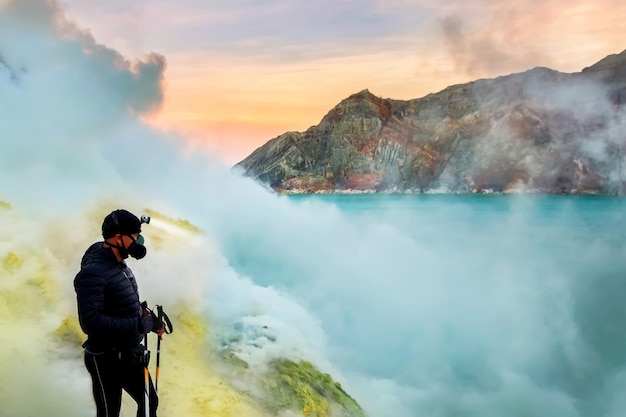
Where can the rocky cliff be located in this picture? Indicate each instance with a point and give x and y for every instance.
(539, 131)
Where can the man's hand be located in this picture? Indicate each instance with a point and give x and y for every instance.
(157, 325)
(151, 324)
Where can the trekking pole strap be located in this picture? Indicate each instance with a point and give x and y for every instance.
(164, 319)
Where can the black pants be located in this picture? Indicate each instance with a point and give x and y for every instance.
(110, 373)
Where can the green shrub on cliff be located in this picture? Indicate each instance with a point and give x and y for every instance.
(300, 386)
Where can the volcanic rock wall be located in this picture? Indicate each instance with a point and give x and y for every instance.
(540, 131)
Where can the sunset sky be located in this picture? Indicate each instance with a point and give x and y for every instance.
(241, 72)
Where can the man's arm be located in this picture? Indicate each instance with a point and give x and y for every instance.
(90, 289)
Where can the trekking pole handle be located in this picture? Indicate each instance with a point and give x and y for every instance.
(164, 319)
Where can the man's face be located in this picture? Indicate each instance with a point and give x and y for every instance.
(126, 240)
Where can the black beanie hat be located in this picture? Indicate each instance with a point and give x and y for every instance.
(120, 221)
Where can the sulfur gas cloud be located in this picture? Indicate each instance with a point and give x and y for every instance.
(440, 314)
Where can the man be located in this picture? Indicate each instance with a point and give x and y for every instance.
(113, 318)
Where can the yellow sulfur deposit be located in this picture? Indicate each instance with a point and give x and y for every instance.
(40, 338)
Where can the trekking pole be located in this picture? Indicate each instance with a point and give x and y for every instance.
(167, 324)
(146, 376)
(158, 359)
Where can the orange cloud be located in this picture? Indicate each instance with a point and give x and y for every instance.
(232, 103)
(252, 102)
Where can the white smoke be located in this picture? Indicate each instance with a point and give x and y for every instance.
(72, 148)
(63, 95)
(450, 312)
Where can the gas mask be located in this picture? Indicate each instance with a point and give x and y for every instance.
(136, 249)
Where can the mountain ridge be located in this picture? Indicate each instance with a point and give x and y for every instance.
(537, 131)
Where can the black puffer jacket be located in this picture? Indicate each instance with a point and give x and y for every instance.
(109, 309)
